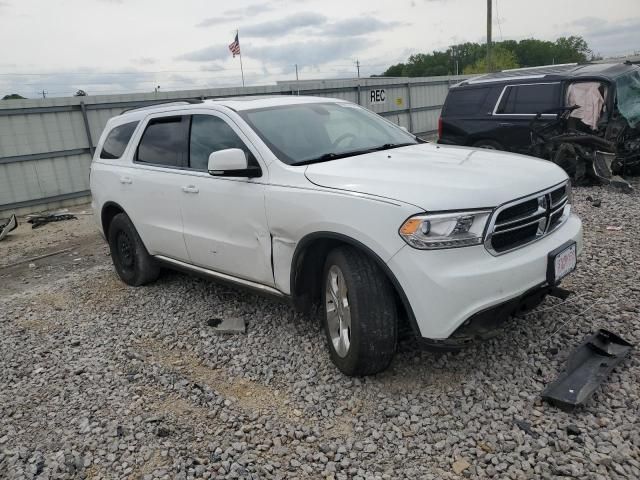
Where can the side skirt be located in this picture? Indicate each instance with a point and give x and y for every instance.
(222, 277)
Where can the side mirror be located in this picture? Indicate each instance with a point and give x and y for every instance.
(231, 162)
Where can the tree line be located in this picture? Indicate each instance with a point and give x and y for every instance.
(468, 58)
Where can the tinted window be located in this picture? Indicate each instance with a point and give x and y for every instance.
(117, 141)
(165, 142)
(531, 99)
(211, 134)
(466, 101)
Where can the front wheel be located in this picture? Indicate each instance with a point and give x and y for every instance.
(360, 317)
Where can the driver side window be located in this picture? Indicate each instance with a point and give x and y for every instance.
(211, 134)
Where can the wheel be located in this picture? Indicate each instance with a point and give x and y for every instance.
(488, 144)
(360, 316)
(130, 258)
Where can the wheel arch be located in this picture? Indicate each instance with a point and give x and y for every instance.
(306, 270)
(109, 210)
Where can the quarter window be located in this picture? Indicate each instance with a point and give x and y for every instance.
(165, 142)
(211, 134)
(117, 141)
(530, 99)
(466, 101)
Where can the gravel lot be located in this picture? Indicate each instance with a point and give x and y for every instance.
(100, 380)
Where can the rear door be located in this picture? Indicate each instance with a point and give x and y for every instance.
(151, 184)
(225, 223)
(518, 105)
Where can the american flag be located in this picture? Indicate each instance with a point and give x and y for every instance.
(235, 47)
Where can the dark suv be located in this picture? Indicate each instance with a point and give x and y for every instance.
(496, 110)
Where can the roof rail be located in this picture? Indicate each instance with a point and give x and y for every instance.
(541, 66)
(169, 102)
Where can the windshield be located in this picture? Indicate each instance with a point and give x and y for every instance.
(310, 132)
(628, 89)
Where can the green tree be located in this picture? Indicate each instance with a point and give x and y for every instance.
(571, 49)
(13, 96)
(501, 59)
(395, 70)
(468, 57)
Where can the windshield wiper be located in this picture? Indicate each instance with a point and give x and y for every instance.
(333, 156)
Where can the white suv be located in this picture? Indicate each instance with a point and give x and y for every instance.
(323, 202)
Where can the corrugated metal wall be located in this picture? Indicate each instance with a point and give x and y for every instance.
(46, 145)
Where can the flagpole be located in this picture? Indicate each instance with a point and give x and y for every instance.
(241, 69)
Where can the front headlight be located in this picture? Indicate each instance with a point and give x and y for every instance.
(445, 230)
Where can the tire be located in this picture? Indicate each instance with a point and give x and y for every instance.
(488, 144)
(369, 323)
(131, 259)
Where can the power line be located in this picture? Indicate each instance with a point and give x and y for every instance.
(498, 19)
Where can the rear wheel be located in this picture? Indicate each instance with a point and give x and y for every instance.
(360, 317)
(488, 144)
(130, 258)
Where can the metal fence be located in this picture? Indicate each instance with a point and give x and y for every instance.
(46, 145)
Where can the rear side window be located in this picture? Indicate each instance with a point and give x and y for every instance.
(117, 141)
(211, 134)
(530, 99)
(466, 101)
(165, 142)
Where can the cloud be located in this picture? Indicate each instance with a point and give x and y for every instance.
(144, 61)
(208, 54)
(236, 14)
(311, 52)
(358, 26)
(284, 26)
(607, 38)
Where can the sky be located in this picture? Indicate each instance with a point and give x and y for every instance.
(118, 46)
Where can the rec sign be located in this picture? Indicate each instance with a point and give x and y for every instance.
(377, 96)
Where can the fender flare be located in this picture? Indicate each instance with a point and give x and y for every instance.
(309, 238)
(105, 206)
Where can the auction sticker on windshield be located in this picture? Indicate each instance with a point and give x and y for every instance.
(561, 263)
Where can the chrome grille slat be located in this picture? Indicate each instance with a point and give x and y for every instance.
(553, 209)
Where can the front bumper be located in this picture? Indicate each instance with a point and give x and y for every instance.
(446, 287)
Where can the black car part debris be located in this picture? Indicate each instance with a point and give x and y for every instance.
(586, 368)
(39, 220)
(10, 224)
(587, 158)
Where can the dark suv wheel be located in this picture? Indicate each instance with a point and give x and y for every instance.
(130, 258)
(488, 144)
(360, 317)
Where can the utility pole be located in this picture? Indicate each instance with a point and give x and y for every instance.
(297, 84)
(358, 67)
(489, 17)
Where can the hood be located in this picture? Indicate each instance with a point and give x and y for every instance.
(435, 177)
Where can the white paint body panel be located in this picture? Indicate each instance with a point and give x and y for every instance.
(250, 228)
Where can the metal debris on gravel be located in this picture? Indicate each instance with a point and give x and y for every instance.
(99, 381)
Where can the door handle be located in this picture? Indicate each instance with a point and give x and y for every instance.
(126, 180)
(506, 124)
(190, 189)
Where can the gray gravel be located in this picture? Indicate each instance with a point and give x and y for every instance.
(100, 380)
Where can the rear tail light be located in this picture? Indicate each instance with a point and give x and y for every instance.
(439, 128)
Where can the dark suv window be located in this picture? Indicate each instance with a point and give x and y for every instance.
(211, 134)
(117, 140)
(165, 142)
(530, 99)
(466, 101)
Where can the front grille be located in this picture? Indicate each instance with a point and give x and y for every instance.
(521, 222)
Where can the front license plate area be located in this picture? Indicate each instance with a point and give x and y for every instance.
(561, 262)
